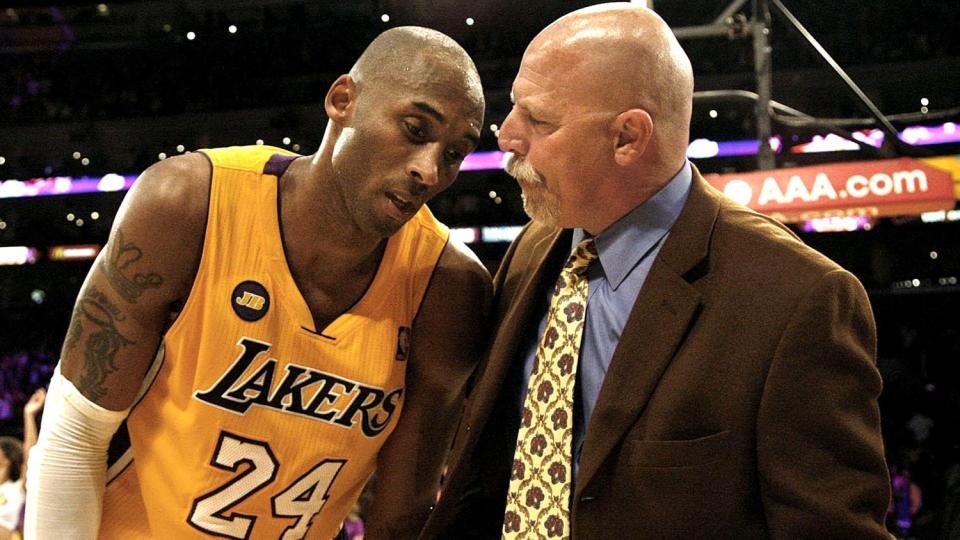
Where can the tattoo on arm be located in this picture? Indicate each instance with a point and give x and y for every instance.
(75, 330)
(103, 342)
(116, 267)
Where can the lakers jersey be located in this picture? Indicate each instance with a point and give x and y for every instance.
(251, 422)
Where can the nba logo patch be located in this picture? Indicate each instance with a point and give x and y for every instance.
(250, 301)
(403, 344)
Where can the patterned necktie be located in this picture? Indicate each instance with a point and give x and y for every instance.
(538, 501)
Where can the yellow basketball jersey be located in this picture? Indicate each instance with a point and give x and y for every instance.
(251, 424)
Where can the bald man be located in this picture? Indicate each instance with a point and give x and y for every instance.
(267, 329)
(724, 381)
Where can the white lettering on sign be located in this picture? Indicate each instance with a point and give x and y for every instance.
(909, 178)
(796, 190)
(858, 186)
(770, 191)
(822, 188)
(882, 185)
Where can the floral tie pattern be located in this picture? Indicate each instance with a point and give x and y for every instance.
(538, 500)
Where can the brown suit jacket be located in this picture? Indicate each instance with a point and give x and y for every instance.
(741, 401)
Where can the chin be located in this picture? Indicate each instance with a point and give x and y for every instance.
(540, 210)
(544, 219)
(386, 227)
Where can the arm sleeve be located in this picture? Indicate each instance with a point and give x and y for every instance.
(65, 479)
(820, 453)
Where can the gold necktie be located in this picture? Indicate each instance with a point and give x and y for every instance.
(538, 501)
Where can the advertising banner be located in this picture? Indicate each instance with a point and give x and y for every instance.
(889, 187)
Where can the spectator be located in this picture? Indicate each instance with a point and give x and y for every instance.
(11, 488)
(30, 430)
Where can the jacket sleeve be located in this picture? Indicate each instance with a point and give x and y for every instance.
(821, 465)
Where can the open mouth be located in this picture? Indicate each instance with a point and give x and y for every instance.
(405, 207)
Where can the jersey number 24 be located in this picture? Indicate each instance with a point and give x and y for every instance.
(303, 499)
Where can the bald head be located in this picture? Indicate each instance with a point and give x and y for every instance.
(624, 56)
(412, 55)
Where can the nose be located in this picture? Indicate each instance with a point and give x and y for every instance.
(511, 137)
(424, 165)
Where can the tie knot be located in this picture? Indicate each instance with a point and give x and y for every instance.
(585, 254)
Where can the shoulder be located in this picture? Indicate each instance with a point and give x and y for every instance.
(171, 198)
(757, 261)
(451, 325)
(736, 250)
(460, 272)
(176, 187)
(748, 235)
(458, 298)
(741, 234)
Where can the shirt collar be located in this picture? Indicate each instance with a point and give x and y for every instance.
(622, 245)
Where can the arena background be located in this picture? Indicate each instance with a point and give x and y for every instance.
(92, 91)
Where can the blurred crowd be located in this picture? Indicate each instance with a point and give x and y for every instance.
(288, 55)
(919, 344)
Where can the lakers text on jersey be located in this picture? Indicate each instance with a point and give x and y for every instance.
(251, 422)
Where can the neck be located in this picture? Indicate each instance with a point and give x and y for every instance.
(315, 221)
(629, 192)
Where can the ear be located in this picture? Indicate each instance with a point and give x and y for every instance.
(634, 129)
(341, 99)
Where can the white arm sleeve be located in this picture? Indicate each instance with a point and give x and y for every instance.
(65, 478)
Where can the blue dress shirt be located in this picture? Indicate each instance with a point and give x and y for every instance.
(627, 250)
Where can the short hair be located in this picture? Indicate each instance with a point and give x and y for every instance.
(13, 450)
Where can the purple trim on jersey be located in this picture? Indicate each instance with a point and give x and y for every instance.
(277, 164)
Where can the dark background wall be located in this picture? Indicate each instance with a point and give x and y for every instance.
(121, 83)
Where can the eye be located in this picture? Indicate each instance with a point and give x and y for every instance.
(414, 130)
(534, 120)
(454, 156)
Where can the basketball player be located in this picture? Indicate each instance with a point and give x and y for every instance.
(323, 325)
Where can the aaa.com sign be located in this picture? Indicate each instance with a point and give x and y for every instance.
(865, 188)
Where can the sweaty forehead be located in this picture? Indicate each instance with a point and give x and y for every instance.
(448, 84)
(447, 105)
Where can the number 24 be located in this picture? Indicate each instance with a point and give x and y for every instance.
(303, 499)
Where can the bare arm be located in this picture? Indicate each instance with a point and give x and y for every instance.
(116, 327)
(147, 264)
(448, 338)
(30, 412)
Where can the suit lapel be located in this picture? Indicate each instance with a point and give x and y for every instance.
(521, 318)
(661, 316)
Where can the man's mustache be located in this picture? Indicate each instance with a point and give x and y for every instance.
(522, 170)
